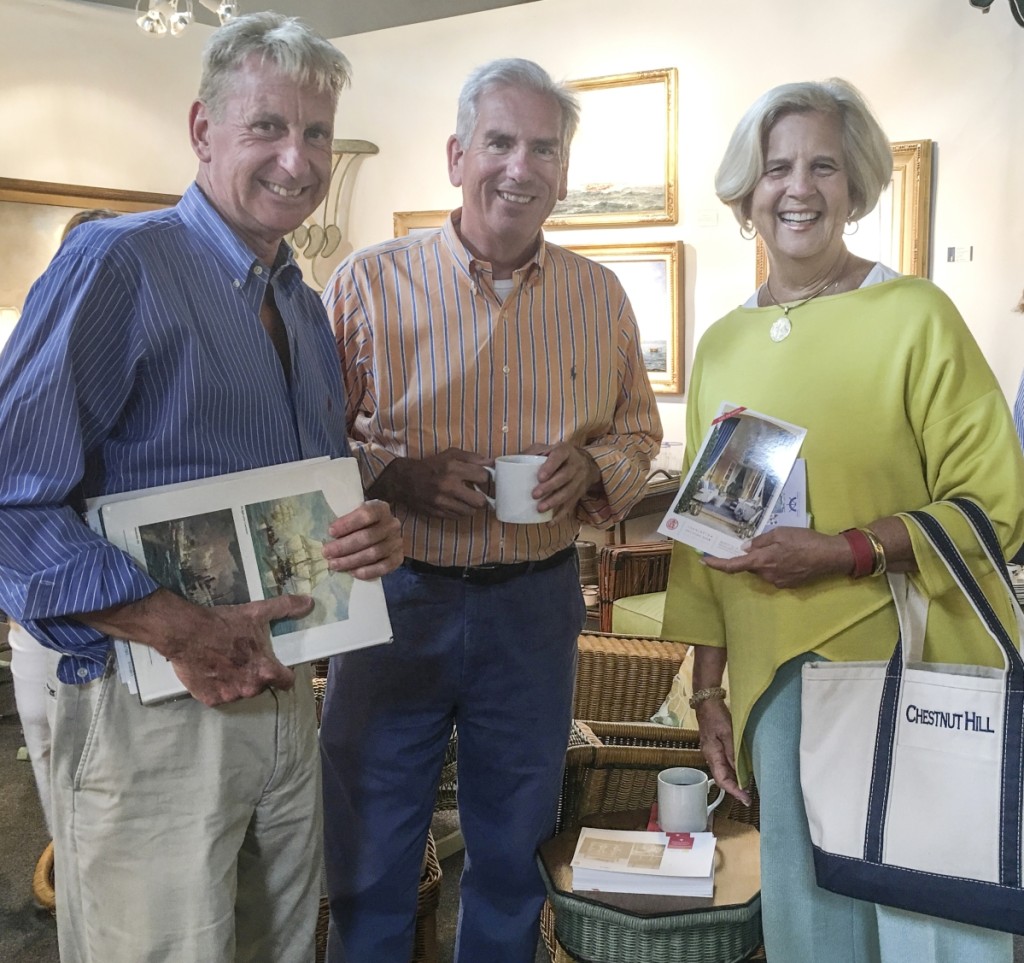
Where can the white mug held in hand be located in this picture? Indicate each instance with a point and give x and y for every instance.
(683, 800)
(515, 478)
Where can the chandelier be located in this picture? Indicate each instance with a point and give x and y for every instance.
(160, 18)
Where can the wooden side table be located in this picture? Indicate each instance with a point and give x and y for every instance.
(613, 927)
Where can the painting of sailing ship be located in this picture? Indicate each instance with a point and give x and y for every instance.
(288, 536)
(197, 557)
(634, 187)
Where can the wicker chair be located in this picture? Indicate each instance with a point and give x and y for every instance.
(635, 569)
(624, 678)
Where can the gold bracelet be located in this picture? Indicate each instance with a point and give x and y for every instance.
(877, 550)
(703, 695)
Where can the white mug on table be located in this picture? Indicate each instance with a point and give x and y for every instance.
(515, 477)
(683, 800)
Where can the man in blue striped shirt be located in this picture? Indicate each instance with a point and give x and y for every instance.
(160, 348)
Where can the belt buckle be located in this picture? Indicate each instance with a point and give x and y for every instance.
(471, 571)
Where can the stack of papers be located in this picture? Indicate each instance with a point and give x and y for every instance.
(654, 863)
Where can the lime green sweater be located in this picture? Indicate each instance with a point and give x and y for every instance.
(901, 411)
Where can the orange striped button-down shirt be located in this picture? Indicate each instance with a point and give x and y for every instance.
(433, 359)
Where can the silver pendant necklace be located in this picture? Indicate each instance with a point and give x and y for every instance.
(781, 327)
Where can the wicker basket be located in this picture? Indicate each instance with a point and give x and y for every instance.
(424, 949)
(607, 934)
(42, 881)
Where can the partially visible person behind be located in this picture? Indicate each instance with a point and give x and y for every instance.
(84, 217)
(160, 348)
(1018, 422)
(901, 412)
(33, 665)
(1018, 405)
(477, 340)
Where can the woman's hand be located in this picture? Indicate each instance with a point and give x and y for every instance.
(786, 557)
(715, 723)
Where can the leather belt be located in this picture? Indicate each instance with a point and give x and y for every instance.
(490, 574)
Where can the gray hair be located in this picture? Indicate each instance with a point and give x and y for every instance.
(285, 42)
(867, 157)
(514, 72)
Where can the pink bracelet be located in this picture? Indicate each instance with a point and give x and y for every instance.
(863, 553)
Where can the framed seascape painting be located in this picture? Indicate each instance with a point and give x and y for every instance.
(898, 231)
(32, 218)
(623, 188)
(652, 277)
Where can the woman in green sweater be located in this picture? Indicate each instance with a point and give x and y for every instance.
(901, 412)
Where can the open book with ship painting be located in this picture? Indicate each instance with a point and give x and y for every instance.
(239, 538)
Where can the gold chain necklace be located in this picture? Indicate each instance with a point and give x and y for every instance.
(781, 327)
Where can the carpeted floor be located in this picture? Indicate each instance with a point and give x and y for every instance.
(27, 934)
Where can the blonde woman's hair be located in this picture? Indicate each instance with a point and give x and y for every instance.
(866, 154)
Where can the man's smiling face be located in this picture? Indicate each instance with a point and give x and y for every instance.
(265, 161)
(512, 172)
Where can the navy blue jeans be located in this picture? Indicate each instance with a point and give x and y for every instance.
(498, 662)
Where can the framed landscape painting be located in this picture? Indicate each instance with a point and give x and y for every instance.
(412, 222)
(652, 277)
(631, 187)
(32, 218)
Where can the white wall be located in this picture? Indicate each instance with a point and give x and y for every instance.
(88, 99)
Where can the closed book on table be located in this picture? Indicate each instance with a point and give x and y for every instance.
(626, 861)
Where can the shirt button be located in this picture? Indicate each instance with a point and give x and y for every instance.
(82, 673)
(505, 369)
(504, 428)
(236, 283)
(257, 270)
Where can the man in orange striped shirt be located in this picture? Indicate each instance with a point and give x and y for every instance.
(477, 340)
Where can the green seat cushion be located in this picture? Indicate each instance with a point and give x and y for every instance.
(639, 615)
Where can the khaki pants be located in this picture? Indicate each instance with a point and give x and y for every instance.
(184, 833)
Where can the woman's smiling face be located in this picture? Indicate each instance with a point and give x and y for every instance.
(801, 203)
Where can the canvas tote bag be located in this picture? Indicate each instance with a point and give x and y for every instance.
(912, 772)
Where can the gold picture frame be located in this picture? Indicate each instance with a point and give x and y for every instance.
(32, 218)
(652, 275)
(412, 222)
(631, 188)
(898, 231)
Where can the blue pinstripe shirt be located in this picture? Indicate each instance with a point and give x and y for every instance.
(1018, 411)
(140, 360)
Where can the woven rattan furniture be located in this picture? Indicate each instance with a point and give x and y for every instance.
(622, 678)
(619, 927)
(603, 782)
(424, 948)
(632, 569)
